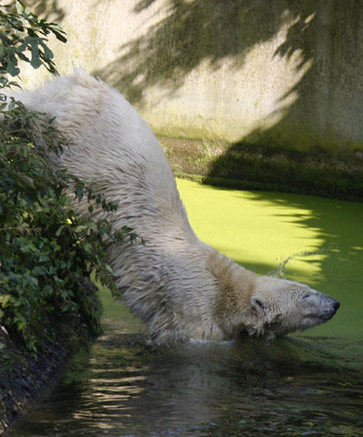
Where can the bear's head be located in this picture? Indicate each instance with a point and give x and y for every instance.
(278, 306)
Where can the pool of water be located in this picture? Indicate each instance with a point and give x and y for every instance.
(306, 384)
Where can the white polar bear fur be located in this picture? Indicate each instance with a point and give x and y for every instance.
(181, 287)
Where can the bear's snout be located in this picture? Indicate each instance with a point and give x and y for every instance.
(318, 308)
(333, 306)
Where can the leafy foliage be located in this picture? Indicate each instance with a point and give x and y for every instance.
(24, 38)
(47, 252)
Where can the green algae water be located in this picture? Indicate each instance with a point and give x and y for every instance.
(304, 238)
(307, 384)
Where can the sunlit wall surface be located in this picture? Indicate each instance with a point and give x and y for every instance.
(268, 71)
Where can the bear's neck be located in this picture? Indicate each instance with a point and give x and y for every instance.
(235, 286)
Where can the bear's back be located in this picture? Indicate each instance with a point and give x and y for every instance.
(111, 146)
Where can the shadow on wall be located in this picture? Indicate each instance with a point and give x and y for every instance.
(195, 31)
(49, 9)
(322, 109)
(329, 98)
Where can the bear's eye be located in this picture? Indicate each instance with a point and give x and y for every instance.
(306, 295)
(258, 302)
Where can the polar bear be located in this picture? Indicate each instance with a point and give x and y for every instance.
(181, 287)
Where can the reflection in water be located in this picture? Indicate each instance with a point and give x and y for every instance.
(290, 387)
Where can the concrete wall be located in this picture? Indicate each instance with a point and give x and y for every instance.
(274, 72)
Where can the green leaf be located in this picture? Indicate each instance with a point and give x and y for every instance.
(20, 325)
(80, 193)
(59, 230)
(23, 179)
(87, 247)
(48, 289)
(80, 228)
(39, 271)
(47, 52)
(108, 268)
(12, 68)
(4, 300)
(43, 258)
(35, 60)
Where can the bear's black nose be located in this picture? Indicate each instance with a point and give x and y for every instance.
(336, 305)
